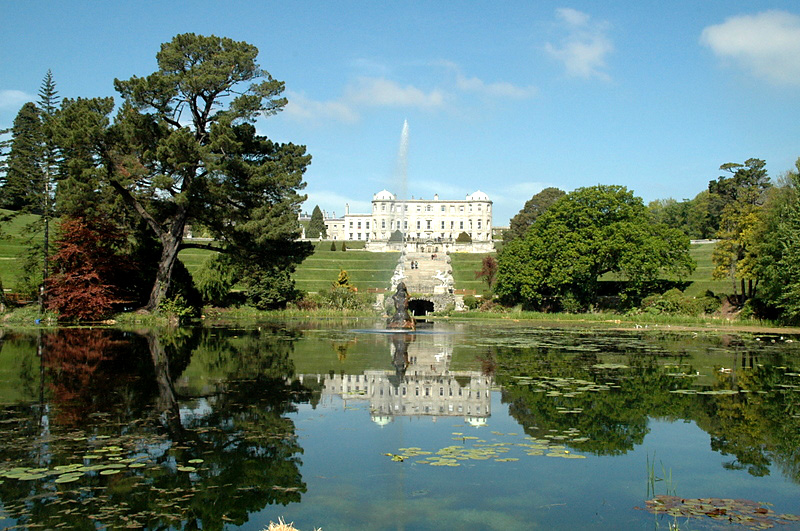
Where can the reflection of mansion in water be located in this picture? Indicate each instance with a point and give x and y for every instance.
(424, 387)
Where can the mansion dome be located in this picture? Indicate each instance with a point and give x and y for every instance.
(478, 196)
(384, 195)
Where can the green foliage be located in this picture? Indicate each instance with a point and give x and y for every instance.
(214, 280)
(464, 238)
(333, 246)
(471, 302)
(176, 308)
(741, 198)
(778, 252)
(344, 246)
(316, 227)
(396, 236)
(270, 289)
(676, 302)
(342, 298)
(584, 235)
(533, 208)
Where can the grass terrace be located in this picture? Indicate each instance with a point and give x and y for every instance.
(367, 270)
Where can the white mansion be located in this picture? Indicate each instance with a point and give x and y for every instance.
(420, 221)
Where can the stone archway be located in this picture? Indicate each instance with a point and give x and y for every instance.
(420, 307)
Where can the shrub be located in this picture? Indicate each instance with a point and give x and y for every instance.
(88, 269)
(344, 246)
(464, 238)
(471, 302)
(343, 281)
(333, 246)
(342, 298)
(214, 280)
(676, 302)
(270, 289)
(176, 309)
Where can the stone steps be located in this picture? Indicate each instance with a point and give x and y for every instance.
(422, 279)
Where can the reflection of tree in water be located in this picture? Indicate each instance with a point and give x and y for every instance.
(757, 423)
(758, 427)
(104, 382)
(613, 414)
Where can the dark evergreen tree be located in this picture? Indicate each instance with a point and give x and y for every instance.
(316, 227)
(23, 173)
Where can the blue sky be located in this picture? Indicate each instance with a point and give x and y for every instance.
(503, 97)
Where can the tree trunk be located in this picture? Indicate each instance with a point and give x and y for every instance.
(169, 253)
(167, 401)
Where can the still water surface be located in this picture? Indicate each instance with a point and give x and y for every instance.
(339, 425)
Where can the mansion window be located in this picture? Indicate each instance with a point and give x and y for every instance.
(428, 224)
(460, 224)
(418, 224)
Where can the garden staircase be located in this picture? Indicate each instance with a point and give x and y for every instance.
(422, 279)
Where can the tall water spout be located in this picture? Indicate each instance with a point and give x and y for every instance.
(402, 176)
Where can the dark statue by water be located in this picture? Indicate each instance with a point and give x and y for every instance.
(401, 319)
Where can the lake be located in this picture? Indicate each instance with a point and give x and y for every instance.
(337, 424)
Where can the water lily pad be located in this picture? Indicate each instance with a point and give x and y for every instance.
(192, 469)
(110, 471)
(68, 478)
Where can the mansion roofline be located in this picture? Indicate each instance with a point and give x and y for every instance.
(437, 220)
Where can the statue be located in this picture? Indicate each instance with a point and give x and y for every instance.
(401, 319)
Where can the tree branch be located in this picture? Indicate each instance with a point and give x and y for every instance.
(134, 203)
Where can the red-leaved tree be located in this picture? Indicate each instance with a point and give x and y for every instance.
(88, 269)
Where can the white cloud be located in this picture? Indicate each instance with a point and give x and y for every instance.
(364, 92)
(767, 44)
(14, 99)
(585, 47)
(500, 89)
(303, 108)
(381, 92)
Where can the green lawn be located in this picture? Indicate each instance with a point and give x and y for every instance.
(464, 267)
(12, 245)
(318, 271)
(366, 269)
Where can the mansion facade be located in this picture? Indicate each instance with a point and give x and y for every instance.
(420, 221)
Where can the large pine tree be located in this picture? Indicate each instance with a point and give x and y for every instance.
(183, 149)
